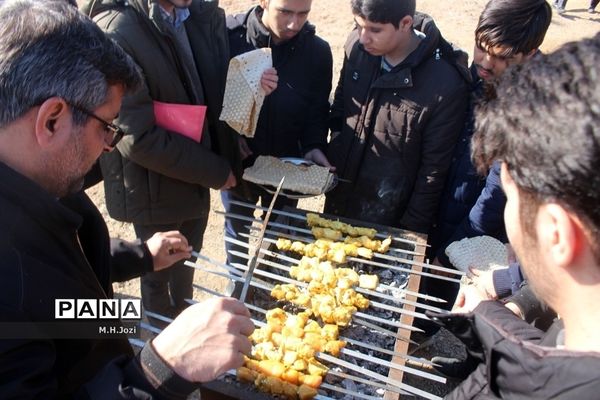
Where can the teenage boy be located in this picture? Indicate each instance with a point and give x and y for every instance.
(398, 109)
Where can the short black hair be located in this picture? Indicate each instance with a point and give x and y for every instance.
(518, 25)
(384, 11)
(544, 126)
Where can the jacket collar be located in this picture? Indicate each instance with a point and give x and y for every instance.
(35, 201)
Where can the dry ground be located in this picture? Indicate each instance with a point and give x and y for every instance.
(455, 18)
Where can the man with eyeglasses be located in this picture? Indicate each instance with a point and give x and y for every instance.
(157, 178)
(61, 82)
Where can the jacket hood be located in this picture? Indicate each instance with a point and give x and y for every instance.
(434, 44)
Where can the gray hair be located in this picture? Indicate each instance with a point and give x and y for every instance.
(47, 49)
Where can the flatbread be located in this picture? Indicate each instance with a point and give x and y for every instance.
(306, 179)
(244, 95)
(480, 252)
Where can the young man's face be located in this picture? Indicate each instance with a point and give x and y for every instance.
(492, 63)
(285, 18)
(379, 39)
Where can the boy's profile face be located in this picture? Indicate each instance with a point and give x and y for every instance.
(379, 39)
(492, 62)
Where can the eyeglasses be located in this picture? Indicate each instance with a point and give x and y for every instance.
(116, 133)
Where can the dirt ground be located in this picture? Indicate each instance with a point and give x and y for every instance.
(333, 19)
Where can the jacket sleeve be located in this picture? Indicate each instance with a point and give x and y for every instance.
(162, 151)
(336, 112)
(438, 141)
(507, 281)
(28, 365)
(315, 130)
(485, 218)
(129, 259)
(145, 376)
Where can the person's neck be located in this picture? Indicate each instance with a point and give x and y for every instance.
(581, 316)
(403, 50)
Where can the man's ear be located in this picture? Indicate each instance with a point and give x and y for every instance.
(264, 4)
(406, 23)
(51, 120)
(561, 234)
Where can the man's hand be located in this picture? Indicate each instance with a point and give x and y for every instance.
(230, 182)
(317, 156)
(167, 248)
(206, 339)
(484, 280)
(469, 297)
(268, 80)
(245, 150)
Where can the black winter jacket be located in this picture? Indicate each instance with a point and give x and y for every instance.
(49, 250)
(158, 176)
(520, 361)
(397, 131)
(293, 119)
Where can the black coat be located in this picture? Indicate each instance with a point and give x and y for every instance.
(49, 250)
(156, 176)
(397, 131)
(293, 119)
(520, 361)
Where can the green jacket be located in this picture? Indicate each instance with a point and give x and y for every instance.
(157, 176)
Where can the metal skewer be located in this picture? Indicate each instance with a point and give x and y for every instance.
(311, 238)
(375, 254)
(359, 355)
(277, 225)
(156, 330)
(372, 293)
(304, 285)
(356, 259)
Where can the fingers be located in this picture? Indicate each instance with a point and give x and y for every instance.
(269, 80)
(234, 306)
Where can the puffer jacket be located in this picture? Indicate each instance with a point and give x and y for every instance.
(158, 176)
(397, 131)
(519, 361)
(293, 119)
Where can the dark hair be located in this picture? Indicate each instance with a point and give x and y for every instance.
(48, 48)
(384, 11)
(518, 25)
(544, 126)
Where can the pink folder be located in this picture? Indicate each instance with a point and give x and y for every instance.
(185, 119)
